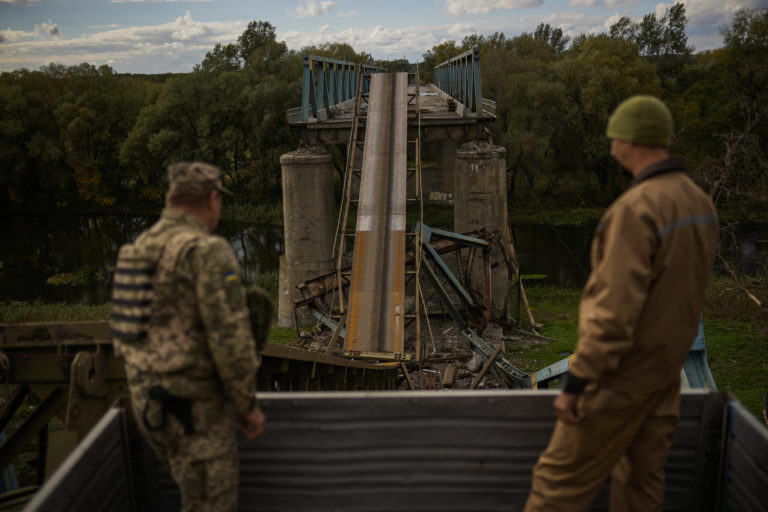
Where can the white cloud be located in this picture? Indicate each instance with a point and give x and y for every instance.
(612, 20)
(18, 1)
(175, 46)
(351, 13)
(453, 8)
(313, 8)
(384, 43)
(47, 30)
(155, 1)
(622, 3)
(459, 30)
(706, 18)
(186, 28)
(11, 35)
(582, 3)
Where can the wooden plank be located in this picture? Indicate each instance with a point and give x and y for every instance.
(449, 375)
(336, 333)
(485, 367)
(407, 376)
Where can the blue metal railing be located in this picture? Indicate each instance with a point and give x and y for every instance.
(459, 77)
(328, 82)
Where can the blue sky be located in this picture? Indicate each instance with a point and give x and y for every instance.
(155, 36)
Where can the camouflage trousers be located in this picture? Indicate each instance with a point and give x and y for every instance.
(204, 463)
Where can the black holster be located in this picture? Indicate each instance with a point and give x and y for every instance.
(181, 408)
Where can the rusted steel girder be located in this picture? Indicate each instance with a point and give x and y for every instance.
(375, 320)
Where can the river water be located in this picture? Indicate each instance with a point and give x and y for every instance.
(68, 258)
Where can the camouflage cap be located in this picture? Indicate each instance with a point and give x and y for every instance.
(190, 178)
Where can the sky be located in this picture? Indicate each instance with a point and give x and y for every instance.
(159, 36)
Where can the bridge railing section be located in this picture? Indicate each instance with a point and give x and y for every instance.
(327, 82)
(459, 77)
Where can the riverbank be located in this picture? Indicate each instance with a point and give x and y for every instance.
(736, 331)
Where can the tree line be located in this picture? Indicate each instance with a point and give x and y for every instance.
(87, 137)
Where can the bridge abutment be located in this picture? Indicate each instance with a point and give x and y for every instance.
(309, 219)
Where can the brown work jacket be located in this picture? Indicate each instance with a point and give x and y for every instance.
(652, 254)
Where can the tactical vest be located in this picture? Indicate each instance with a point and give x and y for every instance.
(151, 339)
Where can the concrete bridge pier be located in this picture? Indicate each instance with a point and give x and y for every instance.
(437, 174)
(480, 200)
(309, 218)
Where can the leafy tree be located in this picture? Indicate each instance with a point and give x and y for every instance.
(222, 58)
(230, 115)
(338, 51)
(598, 73)
(257, 35)
(438, 54)
(737, 111)
(553, 36)
(663, 41)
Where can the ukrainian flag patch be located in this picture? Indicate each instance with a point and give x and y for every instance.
(233, 289)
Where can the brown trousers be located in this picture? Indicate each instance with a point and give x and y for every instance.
(626, 436)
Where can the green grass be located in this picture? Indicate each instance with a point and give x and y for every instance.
(738, 358)
(282, 335)
(556, 310)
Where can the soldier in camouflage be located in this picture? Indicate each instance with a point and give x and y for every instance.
(181, 323)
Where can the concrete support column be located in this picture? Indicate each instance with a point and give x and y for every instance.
(437, 172)
(480, 200)
(309, 219)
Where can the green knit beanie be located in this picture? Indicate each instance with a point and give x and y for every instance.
(642, 120)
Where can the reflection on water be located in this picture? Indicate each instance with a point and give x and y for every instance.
(562, 253)
(35, 248)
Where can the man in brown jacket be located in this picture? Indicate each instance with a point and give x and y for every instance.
(651, 256)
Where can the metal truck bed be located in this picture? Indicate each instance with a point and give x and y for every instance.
(426, 451)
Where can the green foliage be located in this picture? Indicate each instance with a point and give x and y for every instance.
(722, 115)
(86, 137)
(269, 281)
(259, 213)
(552, 36)
(83, 276)
(663, 41)
(21, 312)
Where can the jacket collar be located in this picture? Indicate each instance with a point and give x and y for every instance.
(664, 166)
(179, 217)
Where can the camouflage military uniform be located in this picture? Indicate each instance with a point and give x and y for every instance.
(181, 323)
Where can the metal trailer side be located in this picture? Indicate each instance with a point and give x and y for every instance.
(458, 451)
